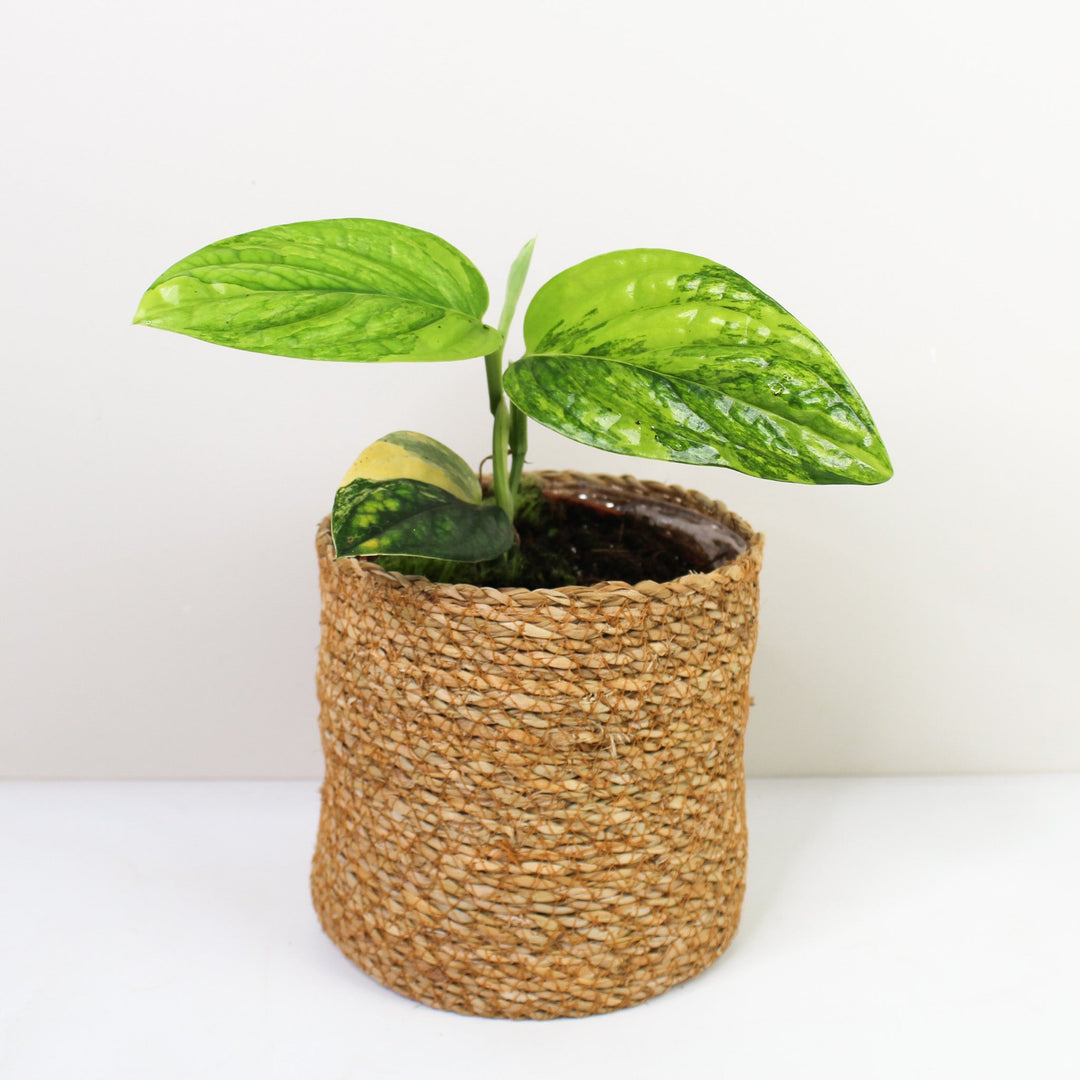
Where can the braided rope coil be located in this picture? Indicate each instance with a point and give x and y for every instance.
(534, 799)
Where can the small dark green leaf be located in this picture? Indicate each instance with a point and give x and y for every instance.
(345, 289)
(410, 517)
(665, 355)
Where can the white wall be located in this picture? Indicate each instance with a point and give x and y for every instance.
(903, 177)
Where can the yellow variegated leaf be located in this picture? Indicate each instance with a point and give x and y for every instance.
(671, 356)
(408, 494)
(408, 455)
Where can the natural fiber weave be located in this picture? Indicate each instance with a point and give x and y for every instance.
(534, 800)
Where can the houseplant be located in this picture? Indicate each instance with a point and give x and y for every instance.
(533, 802)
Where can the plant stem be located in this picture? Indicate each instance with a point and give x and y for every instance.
(519, 443)
(510, 435)
(493, 370)
(499, 442)
(500, 436)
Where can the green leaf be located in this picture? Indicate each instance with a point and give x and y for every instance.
(343, 289)
(408, 494)
(666, 355)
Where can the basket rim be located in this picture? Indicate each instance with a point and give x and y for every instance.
(744, 564)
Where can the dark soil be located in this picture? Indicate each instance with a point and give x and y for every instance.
(583, 536)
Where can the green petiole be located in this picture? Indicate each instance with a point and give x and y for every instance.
(510, 434)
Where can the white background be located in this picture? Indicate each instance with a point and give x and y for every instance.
(905, 928)
(902, 177)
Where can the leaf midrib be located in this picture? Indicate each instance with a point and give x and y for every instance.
(316, 292)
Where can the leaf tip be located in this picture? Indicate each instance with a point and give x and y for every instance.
(145, 313)
(885, 472)
(880, 466)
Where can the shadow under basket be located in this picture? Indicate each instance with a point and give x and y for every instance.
(534, 802)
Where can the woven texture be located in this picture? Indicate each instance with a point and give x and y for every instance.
(534, 800)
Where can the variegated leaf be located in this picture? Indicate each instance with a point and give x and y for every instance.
(666, 355)
(343, 289)
(408, 494)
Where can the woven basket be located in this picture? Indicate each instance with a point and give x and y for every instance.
(534, 800)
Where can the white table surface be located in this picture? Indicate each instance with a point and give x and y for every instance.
(915, 928)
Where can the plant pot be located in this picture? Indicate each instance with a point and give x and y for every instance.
(534, 799)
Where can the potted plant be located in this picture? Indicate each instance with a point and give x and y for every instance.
(534, 688)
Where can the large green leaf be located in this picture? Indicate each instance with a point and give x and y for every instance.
(408, 494)
(344, 289)
(666, 355)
